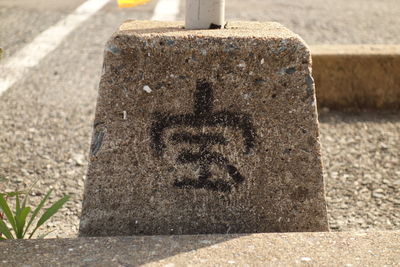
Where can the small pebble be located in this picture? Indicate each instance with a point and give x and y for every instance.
(147, 89)
(307, 259)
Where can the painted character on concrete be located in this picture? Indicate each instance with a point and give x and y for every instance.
(203, 116)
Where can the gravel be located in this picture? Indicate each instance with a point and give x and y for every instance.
(46, 120)
(362, 169)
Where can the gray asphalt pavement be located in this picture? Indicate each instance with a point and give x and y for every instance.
(46, 118)
(325, 22)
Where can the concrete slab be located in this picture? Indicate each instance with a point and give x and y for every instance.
(289, 249)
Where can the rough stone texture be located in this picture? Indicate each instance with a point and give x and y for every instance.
(357, 77)
(211, 131)
(290, 249)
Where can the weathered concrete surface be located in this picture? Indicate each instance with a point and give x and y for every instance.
(211, 131)
(357, 77)
(289, 249)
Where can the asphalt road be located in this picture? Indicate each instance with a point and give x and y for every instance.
(46, 117)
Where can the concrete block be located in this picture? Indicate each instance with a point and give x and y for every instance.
(206, 131)
(357, 76)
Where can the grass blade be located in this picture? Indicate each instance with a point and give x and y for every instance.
(36, 211)
(20, 220)
(6, 209)
(17, 215)
(50, 212)
(17, 205)
(29, 191)
(5, 231)
(45, 234)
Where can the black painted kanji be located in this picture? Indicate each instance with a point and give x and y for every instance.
(203, 116)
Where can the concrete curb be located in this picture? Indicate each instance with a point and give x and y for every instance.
(357, 76)
(274, 249)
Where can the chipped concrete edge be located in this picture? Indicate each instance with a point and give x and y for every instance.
(357, 76)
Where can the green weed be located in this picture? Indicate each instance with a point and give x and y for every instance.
(20, 221)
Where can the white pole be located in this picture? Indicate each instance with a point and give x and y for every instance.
(205, 14)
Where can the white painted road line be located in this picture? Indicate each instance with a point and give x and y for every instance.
(166, 10)
(14, 69)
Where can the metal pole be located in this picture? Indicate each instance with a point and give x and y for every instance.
(205, 14)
